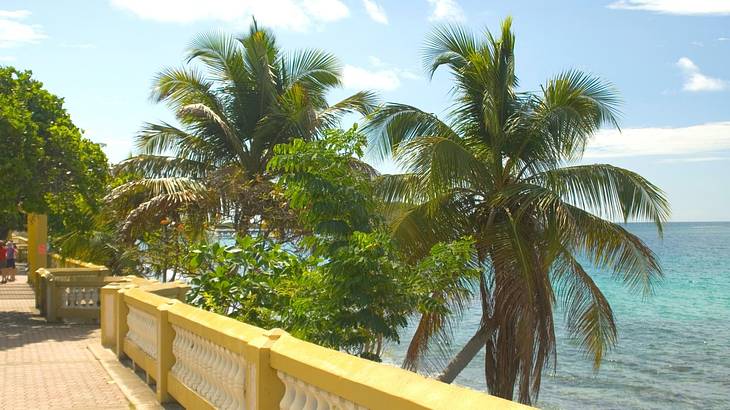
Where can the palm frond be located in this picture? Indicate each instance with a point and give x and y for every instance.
(185, 85)
(572, 107)
(612, 192)
(163, 166)
(204, 113)
(362, 102)
(588, 315)
(158, 207)
(153, 187)
(443, 163)
(611, 246)
(392, 124)
(222, 56)
(451, 45)
(158, 138)
(315, 69)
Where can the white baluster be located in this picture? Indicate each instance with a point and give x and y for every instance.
(215, 393)
(299, 395)
(323, 400)
(85, 297)
(239, 382)
(210, 370)
(289, 392)
(311, 398)
(142, 331)
(226, 379)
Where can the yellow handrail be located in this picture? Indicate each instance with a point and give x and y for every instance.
(205, 360)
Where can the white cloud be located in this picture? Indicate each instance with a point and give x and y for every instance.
(446, 10)
(409, 75)
(81, 45)
(376, 62)
(14, 14)
(375, 11)
(380, 76)
(361, 78)
(686, 141)
(298, 15)
(7, 59)
(682, 7)
(14, 32)
(695, 80)
(694, 159)
(323, 10)
(723, 39)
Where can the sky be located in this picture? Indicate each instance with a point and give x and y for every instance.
(669, 59)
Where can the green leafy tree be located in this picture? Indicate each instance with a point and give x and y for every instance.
(346, 284)
(332, 192)
(499, 169)
(235, 99)
(47, 166)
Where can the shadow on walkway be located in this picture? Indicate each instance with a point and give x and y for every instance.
(19, 329)
(51, 364)
(20, 324)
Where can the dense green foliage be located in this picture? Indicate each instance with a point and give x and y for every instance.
(47, 166)
(346, 284)
(499, 170)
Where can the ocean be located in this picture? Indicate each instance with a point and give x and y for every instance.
(674, 347)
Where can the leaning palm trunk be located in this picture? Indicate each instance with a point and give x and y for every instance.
(498, 171)
(467, 353)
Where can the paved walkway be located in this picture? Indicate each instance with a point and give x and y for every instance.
(49, 366)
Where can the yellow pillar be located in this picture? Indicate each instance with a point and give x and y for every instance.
(37, 244)
(108, 314)
(165, 357)
(264, 388)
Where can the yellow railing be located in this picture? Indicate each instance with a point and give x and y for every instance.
(204, 361)
(69, 293)
(57, 261)
(74, 293)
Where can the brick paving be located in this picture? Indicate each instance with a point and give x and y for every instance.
(48, 366)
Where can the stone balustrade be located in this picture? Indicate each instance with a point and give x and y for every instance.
(70, 293)
(210, 370)
(77, 297)
(74, 293)
(204, 361)
(142, 331)
(301, 395)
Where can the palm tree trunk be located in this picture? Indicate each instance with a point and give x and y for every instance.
(479, 340)
(465, 356)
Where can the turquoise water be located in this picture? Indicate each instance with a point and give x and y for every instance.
(674, 348)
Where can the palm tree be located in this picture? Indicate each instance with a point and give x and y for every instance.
(502, 169)
(235, 98)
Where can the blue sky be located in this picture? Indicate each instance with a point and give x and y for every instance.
(670, 59)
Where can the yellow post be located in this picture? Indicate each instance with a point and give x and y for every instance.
(108, 315)
(265, 385)
(37, 244)
(121, 310)
(165, 357)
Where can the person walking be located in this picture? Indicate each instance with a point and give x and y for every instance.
(10, 251)
(3, 268)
